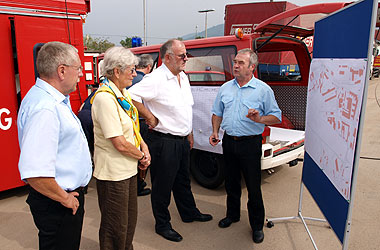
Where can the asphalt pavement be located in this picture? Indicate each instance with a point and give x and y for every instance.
(281, 196)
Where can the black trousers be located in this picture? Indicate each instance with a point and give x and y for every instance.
(170, 172)
(58, 228)
(244, 156)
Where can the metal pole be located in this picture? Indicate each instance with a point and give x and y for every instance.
(144, 10)
(206, 25)
(205, 11)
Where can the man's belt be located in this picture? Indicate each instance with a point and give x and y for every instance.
(241, 138)
(169, 136)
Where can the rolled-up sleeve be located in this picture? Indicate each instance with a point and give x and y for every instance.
(218, 107)
(271, 106)
(144, 90)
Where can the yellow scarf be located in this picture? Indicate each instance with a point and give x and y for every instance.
(128, 107)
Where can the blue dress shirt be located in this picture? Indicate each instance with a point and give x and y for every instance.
(232, 103)
(51, 139)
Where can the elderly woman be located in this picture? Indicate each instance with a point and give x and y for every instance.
(118, 150)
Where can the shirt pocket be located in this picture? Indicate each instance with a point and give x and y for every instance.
(227, 103)
(245, 105)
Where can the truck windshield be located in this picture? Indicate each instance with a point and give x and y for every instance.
(210, 66)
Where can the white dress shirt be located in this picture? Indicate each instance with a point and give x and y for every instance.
(169, 101)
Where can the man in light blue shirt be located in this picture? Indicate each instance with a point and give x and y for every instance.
(54, 159)
(242, 108)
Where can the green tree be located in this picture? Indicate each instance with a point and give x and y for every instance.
(127, 42)
(98, 44)
(199, 37)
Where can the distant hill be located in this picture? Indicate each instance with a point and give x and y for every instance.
(217, 30)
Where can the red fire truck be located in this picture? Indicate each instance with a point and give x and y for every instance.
(24, 26)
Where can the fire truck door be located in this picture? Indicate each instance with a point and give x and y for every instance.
(9, 149)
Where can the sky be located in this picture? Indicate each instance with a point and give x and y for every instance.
(117, 19)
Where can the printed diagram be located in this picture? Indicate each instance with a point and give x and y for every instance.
(332, 117)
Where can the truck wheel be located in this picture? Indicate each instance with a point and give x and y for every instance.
(207, 168)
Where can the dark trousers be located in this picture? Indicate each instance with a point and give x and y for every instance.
(118, 207)
(244, 156)
(170, 172)
(58, 228)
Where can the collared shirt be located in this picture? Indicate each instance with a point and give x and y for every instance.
(110, 120)
(51, 139)
(232, 103)
(168, 100)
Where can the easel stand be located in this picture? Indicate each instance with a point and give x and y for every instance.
(299, 216)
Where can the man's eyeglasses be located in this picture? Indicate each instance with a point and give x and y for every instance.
(182, 56)
(79, 68)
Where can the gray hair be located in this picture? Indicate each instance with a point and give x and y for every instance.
(166, 48)
(144, 61)
(117, 57)
(253, 59)
(53, 54)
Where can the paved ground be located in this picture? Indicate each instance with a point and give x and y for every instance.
(281, 196)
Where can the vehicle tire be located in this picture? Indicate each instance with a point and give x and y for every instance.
(207, 168)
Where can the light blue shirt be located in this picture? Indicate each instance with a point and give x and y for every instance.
(51, 139)
(232, 103)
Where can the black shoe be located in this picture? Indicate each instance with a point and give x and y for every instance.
(144, 192)
(171, 235)
(258, 236)
(226, 222)
(200, 217)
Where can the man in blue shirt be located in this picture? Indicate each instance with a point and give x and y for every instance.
(54, 159)
(242, 108)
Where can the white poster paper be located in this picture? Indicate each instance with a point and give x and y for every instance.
(334, 101)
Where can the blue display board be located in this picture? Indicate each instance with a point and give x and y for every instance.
(344, 34)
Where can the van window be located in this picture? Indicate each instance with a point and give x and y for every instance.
(278, 66)
(36, 49)
(209, 66)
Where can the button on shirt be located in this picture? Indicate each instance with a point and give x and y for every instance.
(51, 139)
(169, 101)
(232, 103)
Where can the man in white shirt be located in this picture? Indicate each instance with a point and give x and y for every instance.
(54, 159)
(167, 109)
